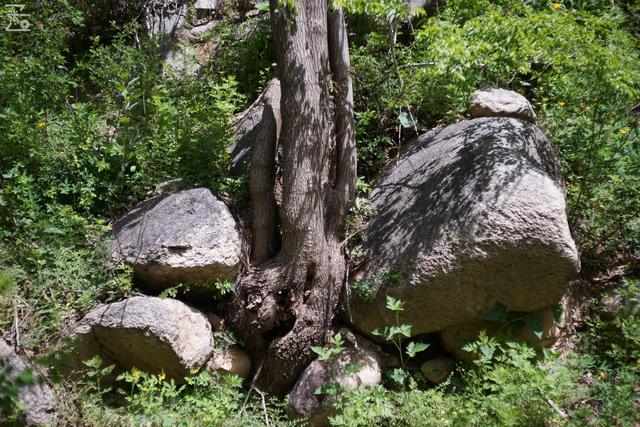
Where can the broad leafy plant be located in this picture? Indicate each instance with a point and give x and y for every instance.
(394, 334)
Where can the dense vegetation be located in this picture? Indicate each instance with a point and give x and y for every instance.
(91, 123)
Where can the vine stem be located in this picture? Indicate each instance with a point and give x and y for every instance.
(399, 343)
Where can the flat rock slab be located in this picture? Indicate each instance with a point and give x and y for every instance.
(188, 237)
(37, 399)
(152, 334)
(469, 217)
(494, 102)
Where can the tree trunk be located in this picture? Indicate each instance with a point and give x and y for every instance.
(262, 177)
(287, 305)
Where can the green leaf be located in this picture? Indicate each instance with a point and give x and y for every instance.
(487, 351)
(414, 348)
(322, 353)
(11, 173)
(53, 230)
(402, 330)
(394, 304)
(337, 340)
(391, 277)
(398, 375)
(405, 120)
(382, 332)
(331, 389)
(95, 362)
(352, 368)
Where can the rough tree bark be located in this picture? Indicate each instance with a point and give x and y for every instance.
(286, 305)
(262, 177)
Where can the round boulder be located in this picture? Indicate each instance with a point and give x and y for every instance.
(468, 218)
(152, 334)
(188, 237)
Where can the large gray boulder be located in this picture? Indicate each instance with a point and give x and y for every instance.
(304, 402)
(152, 334)
(38, 401)
(469, 217)
(494, 102)
(187, 237)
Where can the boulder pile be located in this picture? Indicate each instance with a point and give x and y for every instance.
(189, 238)
(469, 219)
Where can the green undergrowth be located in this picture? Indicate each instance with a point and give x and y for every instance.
(508, 384)
(91, 123)
(511, 384)
(140, 398)
(86, 134)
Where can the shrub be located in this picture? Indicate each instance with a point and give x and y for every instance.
(508, 387)
(611, 360)
(83, 137)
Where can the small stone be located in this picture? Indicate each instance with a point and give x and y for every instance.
(232, 360)
(494, 102)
